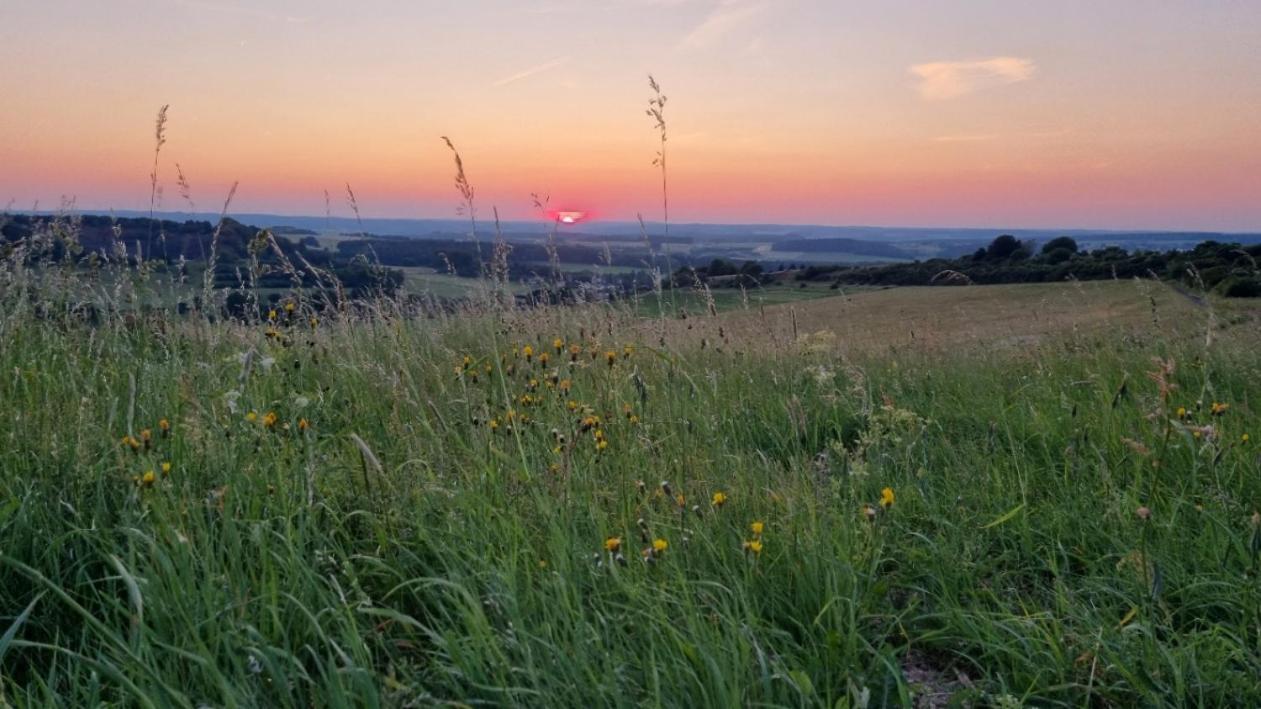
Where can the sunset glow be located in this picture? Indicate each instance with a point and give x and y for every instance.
(1126, 114)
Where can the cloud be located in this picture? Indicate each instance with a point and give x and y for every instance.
(944, 80)
(721, 21)
(527, 73)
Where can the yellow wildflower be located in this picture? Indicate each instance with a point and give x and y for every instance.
(251, 417)
(719, 499)
(757, 528)
(148, 478)
(753, 545)
(886, 498)
(659, 545)
(558, 345)
(303, 424)
(613, 544)
(270, 418)
(166, 469)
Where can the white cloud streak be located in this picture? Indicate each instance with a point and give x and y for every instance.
(945, 80)
(719, 23)
(527, 73)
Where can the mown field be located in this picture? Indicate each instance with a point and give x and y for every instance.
(987, 496)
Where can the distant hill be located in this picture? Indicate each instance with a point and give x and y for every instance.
(770, 233)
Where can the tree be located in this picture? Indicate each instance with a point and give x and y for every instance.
(1060, 243)
(1005, 247)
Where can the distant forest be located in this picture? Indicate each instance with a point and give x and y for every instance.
(1226, 268)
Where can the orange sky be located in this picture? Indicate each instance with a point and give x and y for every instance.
(1140, 114)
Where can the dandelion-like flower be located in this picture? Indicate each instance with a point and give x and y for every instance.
(659, 545)
(166, 468)
(1218, 408)
(613, 545)
(757, 528)
(887, 498)
(270, 418)
(719, 499)
(753, 546)
(148, 478)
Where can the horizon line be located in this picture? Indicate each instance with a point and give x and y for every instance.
(141, 213)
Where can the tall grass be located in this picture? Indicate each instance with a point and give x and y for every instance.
(380, 509)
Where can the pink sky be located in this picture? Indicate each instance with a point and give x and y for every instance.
(1138, 114)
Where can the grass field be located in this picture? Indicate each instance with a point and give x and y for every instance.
(697, 302)
(992, 496)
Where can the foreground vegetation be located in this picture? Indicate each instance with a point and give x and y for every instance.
(583, 506)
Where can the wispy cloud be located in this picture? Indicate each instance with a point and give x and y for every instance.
(724, 19)
(944, 80)
(527, 73)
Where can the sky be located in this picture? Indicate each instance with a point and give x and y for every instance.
(1141, 114)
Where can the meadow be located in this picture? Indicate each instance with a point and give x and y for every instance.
(986, 495)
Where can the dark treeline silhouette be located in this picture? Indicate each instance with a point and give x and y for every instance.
(1229, 269)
